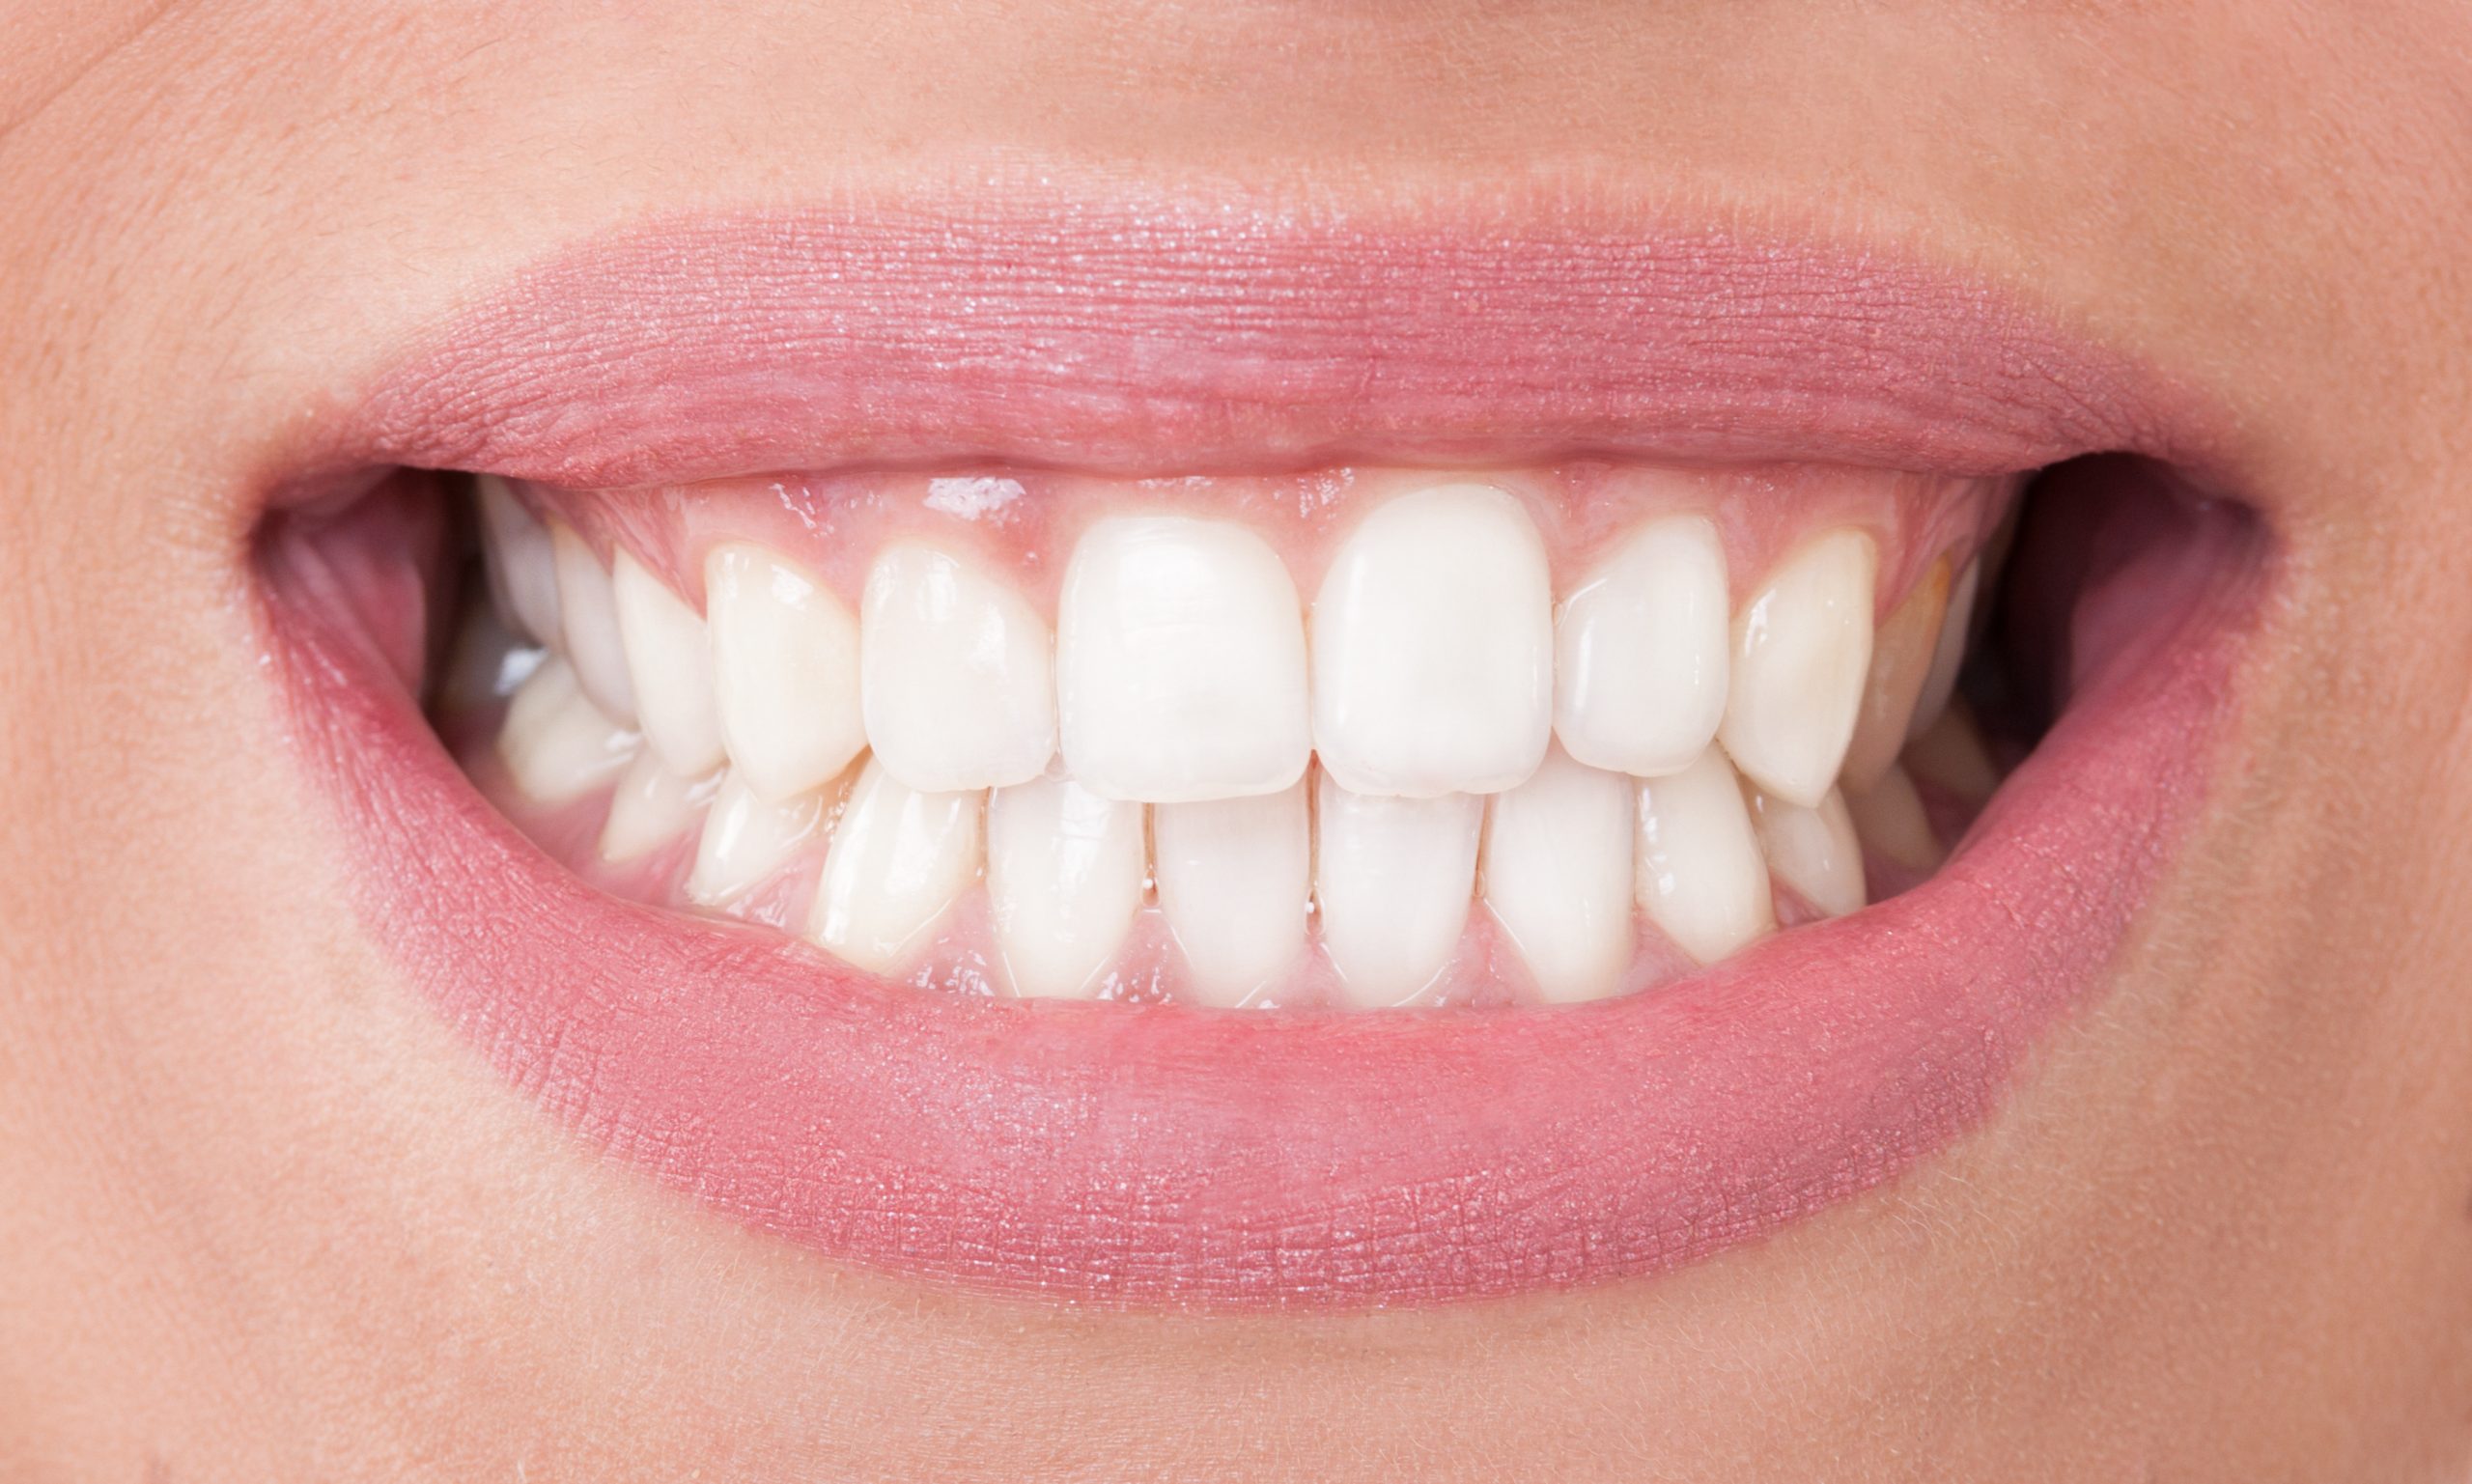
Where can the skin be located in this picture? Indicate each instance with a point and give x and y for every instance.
(270, 1219)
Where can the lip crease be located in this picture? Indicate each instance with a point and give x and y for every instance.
(1184, 1158)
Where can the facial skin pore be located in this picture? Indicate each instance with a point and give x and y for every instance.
(271, 1218)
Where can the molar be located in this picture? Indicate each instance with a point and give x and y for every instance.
(522, 569)
(1890, 818)
(556, 745)
(1947, 653)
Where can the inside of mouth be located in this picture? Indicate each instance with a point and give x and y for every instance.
(1347, 739)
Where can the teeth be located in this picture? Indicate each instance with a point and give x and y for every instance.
(669, 664)
(956, 673)
(1891, 821)
(746, 838)
(1641, 652)
(785, 671)
(1065, 878)
(899, 860)
(1802, 649)
(588, 618)
(1558, 877)
(1235, 876)
(1433, 648)
(1900, 664)
(556, 745)
(1948, 654)
(652, 807)
(524, 572)
(1702, 878)
(1394, 877)
(1813, 851)
(1951, 754)
(1180, 663)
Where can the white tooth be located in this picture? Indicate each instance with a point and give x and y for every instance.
(1235, 876)
(588, 618)
(1180, 662)
(1702, 878)
(556, 745)
(1639, 672)
(1558, 877)
(669, 661)
(1947, 653)
(485, 661)
(1393, 878)
(1813, 852)
(1433, 647)
(899, 860)
(746, 838)
(785, 670)
(1890, 818)
(652, 807)
(1065, 878)
(1900, 663)
(1802, 648)
(1951, 754)
(523, 571)
(957, 674)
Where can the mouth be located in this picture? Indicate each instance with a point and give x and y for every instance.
(1284, 766)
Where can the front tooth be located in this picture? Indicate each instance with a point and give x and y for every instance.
(1890, 818)
(523, 567)
(1433, 647)
(669, 661)
(1702, 878)
(785, 671)
(1813, 851)
(652, 807)
(1639, 646)
(1392, 876)
(588, 618)
(1802, 648)
(746, 838)
(1901, 661)
(957, 674)
(899, 860)
(1235, 876)
(1948, 654)
(1180, 662)
(1065, 878)
(1558, 877)
(556, 745)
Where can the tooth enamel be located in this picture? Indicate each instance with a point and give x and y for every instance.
(1948, 654)
(1802, 649)
(899, 860)
(1900, 663)
(556, 745)
(588, 621)
(1235, 876)
(522, 569)
(1180, 662)
(1952, 755)
(1392, 876)
(1813, 852)
(1065, 878)
(1433, 647)
(746, 838)
(1640, 674)
(785, 671)
(652, 807)
(957, 675)
(1558, 876)
(1890, 818)
(669, 664)
(1702, 878)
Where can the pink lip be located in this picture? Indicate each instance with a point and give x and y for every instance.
(1177, 1157)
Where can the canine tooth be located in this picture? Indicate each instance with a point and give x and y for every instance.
(669, 663)
(1952, 755)
(1180, 662)
(957, 674)
(1901, 661)
(588, 618)
(1433, 647)
(652, 807)
(1947, 653)
(1702, 878)
(785, 671)
(1813, 851)
(1558, 876)
(899, 860)
(1065, 878)
(1394, 877)
(1235, 876)
(746, 838)
(556, 745)
(1802, 648)
(1640, 651)
(1890, 818)
(522, 569)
